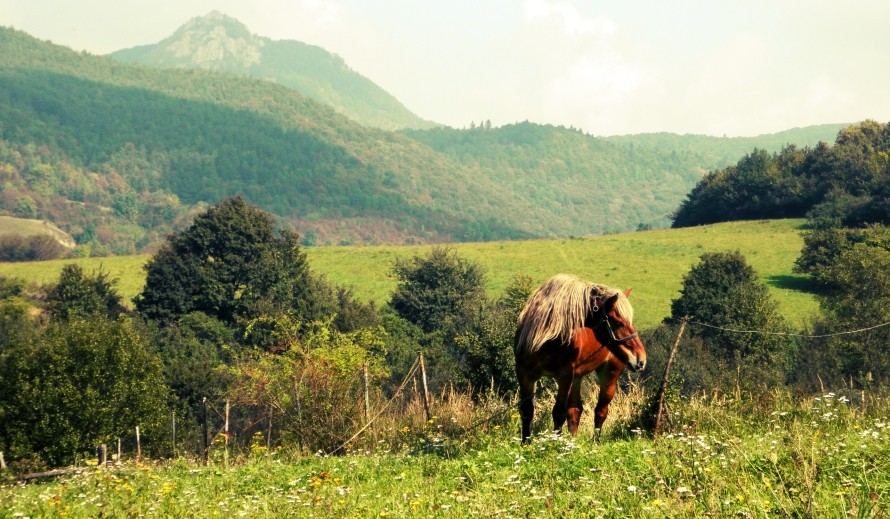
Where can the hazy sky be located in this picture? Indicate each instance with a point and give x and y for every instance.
(719, 67)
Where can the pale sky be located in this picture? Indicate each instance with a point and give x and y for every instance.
(717, 67)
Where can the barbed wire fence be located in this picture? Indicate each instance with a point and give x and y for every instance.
(661, 411)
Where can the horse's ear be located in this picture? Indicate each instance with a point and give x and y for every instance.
(627, 292)
(608, 304)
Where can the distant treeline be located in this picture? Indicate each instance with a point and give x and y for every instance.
(847, 184)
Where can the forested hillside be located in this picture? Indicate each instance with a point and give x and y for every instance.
(218, 42)
(120, 155)
(846, 184)
(719, 152)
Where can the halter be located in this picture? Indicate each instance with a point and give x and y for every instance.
(622, 340)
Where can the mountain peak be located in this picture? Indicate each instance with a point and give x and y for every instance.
(214, 41)
(218, 42)
(217, 20)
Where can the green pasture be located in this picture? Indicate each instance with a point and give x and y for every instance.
(765, 455)
(652, 263)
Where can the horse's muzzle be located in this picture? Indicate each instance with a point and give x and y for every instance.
(635, 363)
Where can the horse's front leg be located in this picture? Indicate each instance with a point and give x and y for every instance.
(526, 404)
(608, 381)
(564, 383)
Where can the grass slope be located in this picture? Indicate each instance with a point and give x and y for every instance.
(653, 263)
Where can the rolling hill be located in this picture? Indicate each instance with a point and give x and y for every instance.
(119, 155)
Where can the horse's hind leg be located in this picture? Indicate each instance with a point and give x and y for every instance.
(564, 385)
(526, 403)
(575, 407)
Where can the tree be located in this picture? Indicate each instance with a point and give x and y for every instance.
(722, 292)
(436, 291)
(230, 263)
(196, 351)
(77, 384)
(79, 294)
(486, 345)
(859, 298)
(824, 246)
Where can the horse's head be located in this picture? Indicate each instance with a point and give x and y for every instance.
(612, 323)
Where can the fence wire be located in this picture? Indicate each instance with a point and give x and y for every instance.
(786, 334)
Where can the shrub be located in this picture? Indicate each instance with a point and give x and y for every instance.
(722, 296)
(77, 384)
(80, 294)
(314, 387)
(38, 247)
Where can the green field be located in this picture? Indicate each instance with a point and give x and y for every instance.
(652, 263)
(765, 455)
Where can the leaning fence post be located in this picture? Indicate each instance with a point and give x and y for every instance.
(367, 397)
(426, 398)
(667, 372)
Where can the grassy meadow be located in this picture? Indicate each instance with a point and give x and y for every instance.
(770, 454)
(728, 456)
(652, 263)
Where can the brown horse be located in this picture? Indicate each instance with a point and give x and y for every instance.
(568, 328)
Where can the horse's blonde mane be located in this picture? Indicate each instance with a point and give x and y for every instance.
(558, 308)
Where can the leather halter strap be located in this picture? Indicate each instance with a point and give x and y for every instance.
(622, 340)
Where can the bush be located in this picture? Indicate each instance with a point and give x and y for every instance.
(77, 384)
(78, 294)
(314, 387)
(722, 296)
(38, 247)
(437, 292)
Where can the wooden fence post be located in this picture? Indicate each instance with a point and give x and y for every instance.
(206, 432)
(174, 434)
(269, 436)
(138, 445)
(2, 461)
(426, 398)
(367, 397)
(667, 372)
(119, 452)
(103, 455)
(226, 438)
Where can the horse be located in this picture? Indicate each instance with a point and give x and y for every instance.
(568, 328)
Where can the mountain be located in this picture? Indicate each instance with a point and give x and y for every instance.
(119, 155)
(218, 42)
